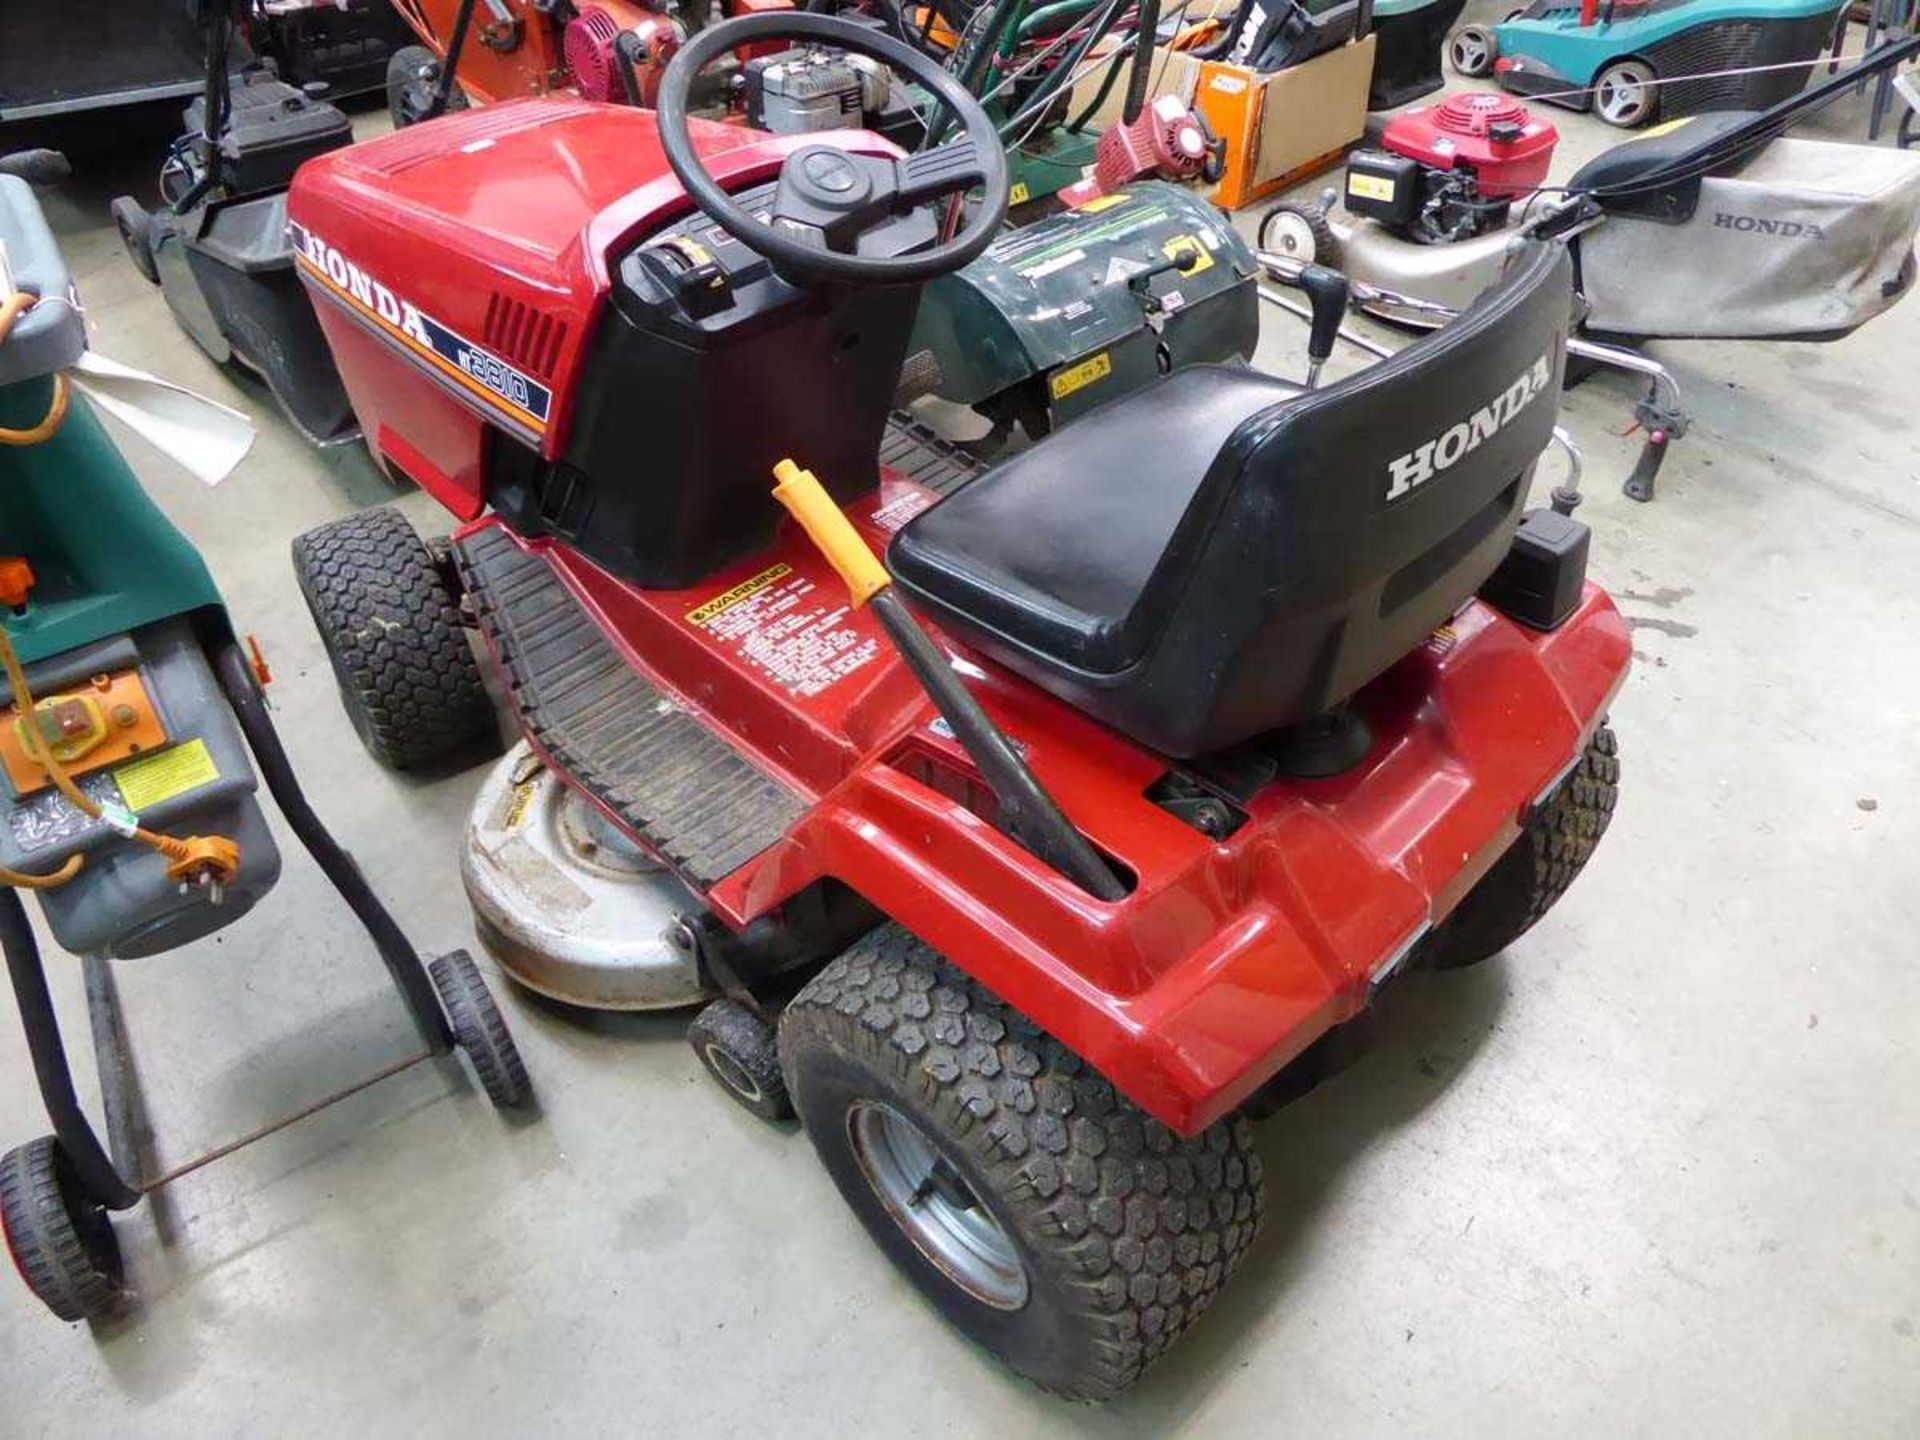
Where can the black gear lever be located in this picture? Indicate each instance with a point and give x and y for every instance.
(1327, 292)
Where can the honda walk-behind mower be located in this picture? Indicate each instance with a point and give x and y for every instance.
(217, 246)
(1715, 228)
(1629, 61)
(1151, 756)
(132, 730)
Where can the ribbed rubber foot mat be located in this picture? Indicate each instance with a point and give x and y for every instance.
(912, 450)
(702, 805)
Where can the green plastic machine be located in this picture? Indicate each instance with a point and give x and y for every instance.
(1086, 305)
(134, 737)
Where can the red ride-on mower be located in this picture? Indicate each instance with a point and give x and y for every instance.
(1233, 699)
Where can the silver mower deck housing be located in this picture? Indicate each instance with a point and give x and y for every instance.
(568, 905)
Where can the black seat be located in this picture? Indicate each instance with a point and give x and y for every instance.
(1222, 554)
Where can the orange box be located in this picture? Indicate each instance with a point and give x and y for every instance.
(1279, 128)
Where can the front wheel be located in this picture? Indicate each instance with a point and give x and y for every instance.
(1626, 94)
(1300, 232)
(391, 629)
(1473, 51)
(1049, 1219)
(1538, 867)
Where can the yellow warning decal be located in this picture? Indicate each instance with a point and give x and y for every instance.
(1078, 377)
(1180, 244)
(145, 783)
(1370, 187)
(1019, 193)
(1105, 202)
(745, 590)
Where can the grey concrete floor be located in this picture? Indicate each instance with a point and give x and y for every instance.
(1656, 1168)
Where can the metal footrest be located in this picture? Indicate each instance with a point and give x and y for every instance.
(696, 801)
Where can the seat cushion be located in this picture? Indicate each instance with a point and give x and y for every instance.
(1052, 548)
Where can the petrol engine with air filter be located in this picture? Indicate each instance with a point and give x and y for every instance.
(1451, 171)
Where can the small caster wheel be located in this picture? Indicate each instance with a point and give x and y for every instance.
(739, 1051)
(61, 1242)
(480, 1030)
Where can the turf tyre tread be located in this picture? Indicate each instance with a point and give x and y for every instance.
(1538, 867)
(391, 628)
(1128, 1231)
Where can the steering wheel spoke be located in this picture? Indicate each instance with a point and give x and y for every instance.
(949, 169)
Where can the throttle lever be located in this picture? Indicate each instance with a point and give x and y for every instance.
(1327, 293)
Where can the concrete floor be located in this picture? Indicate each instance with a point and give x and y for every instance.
(1656, 1168)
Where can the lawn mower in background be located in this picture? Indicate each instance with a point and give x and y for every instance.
(1136, 277)
(216, 244)
(1630, 61)
(345, 45)
(1057, 899)
(1079, 307)
(1718, 227)
(133, 737)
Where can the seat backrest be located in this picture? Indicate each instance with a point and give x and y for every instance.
(1335, 530)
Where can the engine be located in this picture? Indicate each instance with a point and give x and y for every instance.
(591, 46)
(814, 88)
(1451, 171)
(1169, 140)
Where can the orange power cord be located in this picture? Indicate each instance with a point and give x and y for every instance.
(213, 857)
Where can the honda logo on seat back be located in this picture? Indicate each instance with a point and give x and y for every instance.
(1445, 450)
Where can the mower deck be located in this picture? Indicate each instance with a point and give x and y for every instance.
(773, 739)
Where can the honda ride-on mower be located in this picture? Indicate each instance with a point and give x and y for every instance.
(1150, 757)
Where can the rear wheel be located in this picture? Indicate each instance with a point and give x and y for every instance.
(391, 628)
(1625, 95)
(61, 1241)
(1044, 1215)
(480, 1030)
(1473, 50)
(1300, 232)
(1535, 872)
(413, 78)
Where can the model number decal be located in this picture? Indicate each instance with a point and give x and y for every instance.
(506, 387)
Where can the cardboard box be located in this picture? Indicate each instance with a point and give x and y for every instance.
(1279, 128)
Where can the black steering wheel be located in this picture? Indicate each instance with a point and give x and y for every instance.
(837, 215)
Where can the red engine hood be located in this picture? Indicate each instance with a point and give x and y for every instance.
(496, 225)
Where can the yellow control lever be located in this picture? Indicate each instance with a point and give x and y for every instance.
(828, 527)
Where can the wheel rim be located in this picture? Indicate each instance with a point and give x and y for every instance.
(1469, 53)
(1623, 95)
(732, 1073)
(935, 1207)
(1290, 234)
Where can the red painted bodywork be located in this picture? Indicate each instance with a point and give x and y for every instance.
(1227, 958)
(498, 223)
(1454, 133)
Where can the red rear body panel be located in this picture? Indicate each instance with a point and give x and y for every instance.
(1228, 958)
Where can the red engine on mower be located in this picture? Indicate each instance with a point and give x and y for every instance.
(1451, 171)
